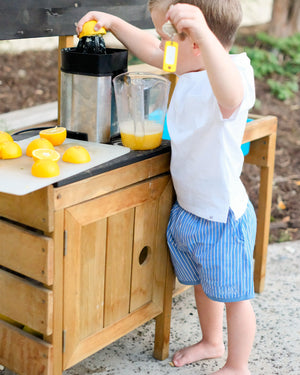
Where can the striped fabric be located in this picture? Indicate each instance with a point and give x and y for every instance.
(219, 256)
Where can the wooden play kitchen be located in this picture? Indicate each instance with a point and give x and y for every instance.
(84, 260)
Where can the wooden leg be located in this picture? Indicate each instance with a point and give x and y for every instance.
(56, 338)
(263, 215)
(163, 321)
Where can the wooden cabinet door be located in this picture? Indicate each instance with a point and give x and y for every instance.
(115, 265)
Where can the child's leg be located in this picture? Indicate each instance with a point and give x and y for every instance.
(211, 322)
(241, 331)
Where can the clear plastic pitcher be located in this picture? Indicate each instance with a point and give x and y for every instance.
(142, 100)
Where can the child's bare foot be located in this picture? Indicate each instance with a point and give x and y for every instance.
(197, 352)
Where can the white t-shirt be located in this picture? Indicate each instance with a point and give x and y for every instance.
(207, 160)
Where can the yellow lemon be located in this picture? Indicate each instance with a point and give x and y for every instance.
(10, 150)
(45, 168)
(38, 143)
(88, 29)
(5, 137)
(56, 135)
(77, 155)
(45, 153)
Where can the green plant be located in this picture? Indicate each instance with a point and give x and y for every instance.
(274, 59)
(283, 91)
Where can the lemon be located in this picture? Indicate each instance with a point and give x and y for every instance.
(5, 137)
(88, 29)
(45, 153)
(10, 150)
(45, 168)
(77, 155)
(56, 135)
(38, 143)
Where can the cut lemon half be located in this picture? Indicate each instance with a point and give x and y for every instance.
(38, 143)
(88, 29)
(45, 168)
(45, 153)
(77, 155)
(5, 137)
(56, 135)
(10, 150)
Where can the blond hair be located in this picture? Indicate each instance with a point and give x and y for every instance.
(222, 16)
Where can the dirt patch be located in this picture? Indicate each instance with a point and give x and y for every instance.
(30, 78)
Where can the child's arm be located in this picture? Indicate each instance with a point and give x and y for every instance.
(141, 43)
(224, 77)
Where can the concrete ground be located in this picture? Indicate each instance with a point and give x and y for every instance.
(277, 343)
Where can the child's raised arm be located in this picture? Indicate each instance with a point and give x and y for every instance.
(224, 77)
(142, 44)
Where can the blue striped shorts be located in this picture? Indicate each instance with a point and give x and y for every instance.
(219, 256)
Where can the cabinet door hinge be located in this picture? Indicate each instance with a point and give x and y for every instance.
(64, 334)
(65, 242)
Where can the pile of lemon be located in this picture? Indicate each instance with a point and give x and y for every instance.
(43, 152)
(8, 148)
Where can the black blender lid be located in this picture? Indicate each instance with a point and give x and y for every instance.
(112, 63)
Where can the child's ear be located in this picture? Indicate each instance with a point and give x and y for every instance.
(196, 49)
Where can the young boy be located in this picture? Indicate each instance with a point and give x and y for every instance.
(212, 226)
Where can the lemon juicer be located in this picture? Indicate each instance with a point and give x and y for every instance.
(87, 97)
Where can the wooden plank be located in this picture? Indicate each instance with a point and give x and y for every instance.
(27, 303)
(34, 209)
(263, 216)
(259, 153)
(54, 18)
(26, 252)
(112, 333)
(118, 266)
(107, 182)
(84, 273)
(259, 128)
(72, 266)
(165, 203)
(125, 199)
(144, 254)
(23, 353)
(56, 338)
(92, 275)
(164, 276)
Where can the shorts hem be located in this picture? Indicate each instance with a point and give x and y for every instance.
(232, 299)
(189, 282)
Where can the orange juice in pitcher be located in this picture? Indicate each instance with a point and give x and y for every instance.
(141, 100)
(147, 140)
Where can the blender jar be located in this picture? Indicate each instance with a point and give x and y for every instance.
(141, 100)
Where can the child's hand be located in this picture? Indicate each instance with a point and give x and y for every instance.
(103, 20)
(189, 19)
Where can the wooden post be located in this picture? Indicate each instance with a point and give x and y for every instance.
(263, 214)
